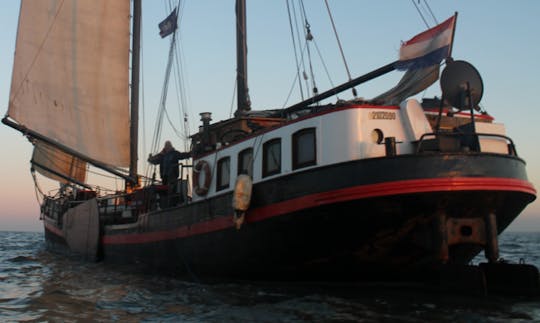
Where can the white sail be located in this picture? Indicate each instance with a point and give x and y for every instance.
(70, 75)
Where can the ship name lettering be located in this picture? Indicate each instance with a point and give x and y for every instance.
(382, 115)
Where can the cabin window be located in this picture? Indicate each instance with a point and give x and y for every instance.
(245, 162)
(223, 173)
(304, 150)
(271, 157)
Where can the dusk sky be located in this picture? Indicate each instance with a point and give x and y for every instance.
(500, 38)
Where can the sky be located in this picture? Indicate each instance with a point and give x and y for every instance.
(500, 38)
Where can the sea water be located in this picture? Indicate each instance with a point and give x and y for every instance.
(37, 286)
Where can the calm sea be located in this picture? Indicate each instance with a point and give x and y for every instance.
(37, 286)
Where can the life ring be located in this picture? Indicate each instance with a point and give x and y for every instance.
(202, 166)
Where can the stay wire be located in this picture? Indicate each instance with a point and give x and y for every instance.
(309, 37)
(298, 27)
(233, 98)
(162, 106)
(431, 12)
(420, 13)
(339, 46)
(295, 55)
(182, 93)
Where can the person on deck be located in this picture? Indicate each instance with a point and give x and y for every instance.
(168, 159)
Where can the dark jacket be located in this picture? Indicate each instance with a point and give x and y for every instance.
(168, 164)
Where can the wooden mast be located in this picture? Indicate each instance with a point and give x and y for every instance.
(243, 102)
(134, 122)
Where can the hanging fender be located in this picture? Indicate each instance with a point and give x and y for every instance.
(203, 167)
(242, 193)
(241, 198)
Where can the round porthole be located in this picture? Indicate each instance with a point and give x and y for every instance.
(377, 136)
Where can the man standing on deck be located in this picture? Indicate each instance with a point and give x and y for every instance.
(168, 163)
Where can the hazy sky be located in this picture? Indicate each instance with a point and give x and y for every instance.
(500, 38)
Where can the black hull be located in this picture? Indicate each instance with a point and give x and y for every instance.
(342, 221)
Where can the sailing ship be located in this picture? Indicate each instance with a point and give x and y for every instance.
(309, 191)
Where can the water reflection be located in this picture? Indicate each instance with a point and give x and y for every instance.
(36, 285)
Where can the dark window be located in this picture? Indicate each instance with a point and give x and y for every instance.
(304, 148)
(271, 157)
(223, 173)
(245, 162)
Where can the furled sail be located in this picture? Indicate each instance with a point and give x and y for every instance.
(70, 77)
(412, 82)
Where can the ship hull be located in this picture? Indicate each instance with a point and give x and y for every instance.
(343, 221)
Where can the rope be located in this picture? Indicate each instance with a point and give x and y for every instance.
(295, 57)
(420, 12)
(37, 188)
(164, 92)
(179, 83)
(326, 69)
(308, 38)
(339, 46)
(298, 26)
(431, 12)
(233, 97)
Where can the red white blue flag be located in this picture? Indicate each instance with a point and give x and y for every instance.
(427, 48)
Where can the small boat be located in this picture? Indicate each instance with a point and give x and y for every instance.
(310, 191)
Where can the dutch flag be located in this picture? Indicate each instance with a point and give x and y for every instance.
(427, 48)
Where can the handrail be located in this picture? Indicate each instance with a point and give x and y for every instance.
(512, 147)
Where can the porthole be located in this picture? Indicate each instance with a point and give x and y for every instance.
(377, 136)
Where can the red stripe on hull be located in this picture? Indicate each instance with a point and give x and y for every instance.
(393, 188)
(336, 196)
(53, 229)
(181, 232)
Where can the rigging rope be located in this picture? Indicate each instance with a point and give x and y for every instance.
(180, 82)
(420, 12)
(298, 27)
(339, 46)
(173, 60)
(295, 56)
(305, 52)
(233, 97)
(326, 68)
(431, 12)
(309, 37)
(164, 92)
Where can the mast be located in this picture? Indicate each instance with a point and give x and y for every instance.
(453, 35)
(134, 124)
(243, 101)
